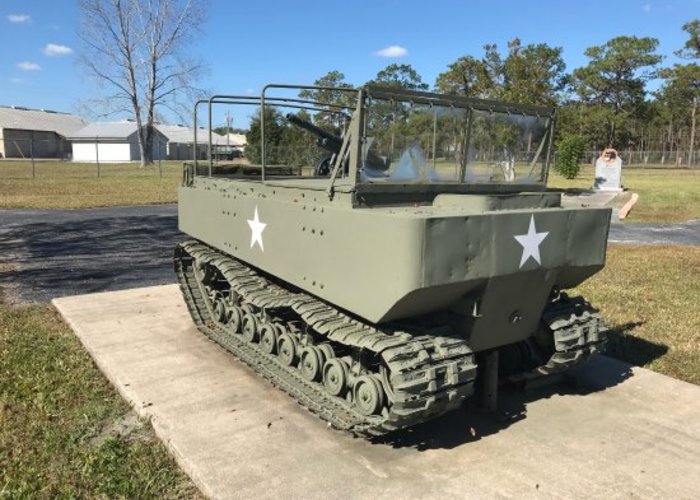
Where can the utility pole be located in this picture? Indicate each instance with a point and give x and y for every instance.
(31, 153)
(691, 157)
(97, 154)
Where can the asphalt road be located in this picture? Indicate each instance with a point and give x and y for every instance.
(54, 253)
(686, 233)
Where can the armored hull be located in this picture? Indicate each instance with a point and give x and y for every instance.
(371, 303)
(387, 263)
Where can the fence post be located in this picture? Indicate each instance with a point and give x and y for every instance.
(31, 153)
(160, 155)
(97, 154)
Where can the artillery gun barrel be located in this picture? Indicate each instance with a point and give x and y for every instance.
(326, 140)
(332, 142)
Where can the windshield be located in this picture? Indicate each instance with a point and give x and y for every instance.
(409, 143)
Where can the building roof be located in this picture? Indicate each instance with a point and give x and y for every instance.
(105, 130)
(16, 117)
(122, 130)
(238, 140)
(185, 135)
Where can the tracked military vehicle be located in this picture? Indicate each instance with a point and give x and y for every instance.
(380, 282)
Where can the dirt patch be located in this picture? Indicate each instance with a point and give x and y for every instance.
(129, 427)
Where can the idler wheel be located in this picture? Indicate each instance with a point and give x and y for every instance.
(287, 349)
(268, 338)
(368, 395)
(311, 363)
(235, 319)
(250, 328)
(335, 376)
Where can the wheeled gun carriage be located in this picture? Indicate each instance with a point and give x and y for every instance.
(326, 140)
(379, 291)
(331, 143)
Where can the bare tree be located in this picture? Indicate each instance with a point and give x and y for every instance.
(137, 51)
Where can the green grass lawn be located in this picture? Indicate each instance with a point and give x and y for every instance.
(665, 195)
(648, 295)
(64, 431)
(76, 185)
(669, 195)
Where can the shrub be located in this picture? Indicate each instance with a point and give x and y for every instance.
(570, 150)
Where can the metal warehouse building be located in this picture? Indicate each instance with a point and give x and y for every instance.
(113, 142)
(181, 141)
(38, 133)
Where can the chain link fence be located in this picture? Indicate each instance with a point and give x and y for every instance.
(650, 159)
(54, 157)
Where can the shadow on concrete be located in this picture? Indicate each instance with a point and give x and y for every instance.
(470, 423)
(64, 255)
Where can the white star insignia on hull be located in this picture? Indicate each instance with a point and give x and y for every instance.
(531, 243)
(256, 230)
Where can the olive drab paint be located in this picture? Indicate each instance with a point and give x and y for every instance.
(482, 262)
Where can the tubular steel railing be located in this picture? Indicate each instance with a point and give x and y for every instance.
(262, 100)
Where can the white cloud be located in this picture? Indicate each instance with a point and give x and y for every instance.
(392, 51)
(647, 7)
(19, 18)
(53, 49)
(28, 66)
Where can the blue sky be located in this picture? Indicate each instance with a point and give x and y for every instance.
(247, 44)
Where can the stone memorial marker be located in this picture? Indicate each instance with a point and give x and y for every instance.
(608, 171)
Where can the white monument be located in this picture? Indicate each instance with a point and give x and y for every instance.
(608, 171)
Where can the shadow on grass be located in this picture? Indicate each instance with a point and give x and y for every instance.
(633, 350)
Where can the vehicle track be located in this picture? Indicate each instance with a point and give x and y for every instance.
(421, 376)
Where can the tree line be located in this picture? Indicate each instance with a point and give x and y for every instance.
(604, 103)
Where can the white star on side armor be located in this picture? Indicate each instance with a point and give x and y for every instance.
(531, 243)
(256, 230)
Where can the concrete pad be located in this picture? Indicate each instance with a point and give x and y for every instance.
(628, 432)
(588, 198)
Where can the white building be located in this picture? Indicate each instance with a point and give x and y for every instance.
(237, 141)
(37, 133)
(112, 142)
